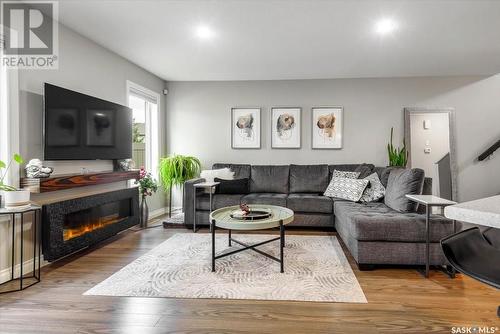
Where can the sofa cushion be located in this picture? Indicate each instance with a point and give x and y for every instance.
(344, 174)
(269, 179)
(218, 201)
(311, 203)
(383, 174)
(308, 178)
(346, 188)
(265, 198)
(237, 186)
(240, 171)
(402, 182)
(364, 170)
(377, 222)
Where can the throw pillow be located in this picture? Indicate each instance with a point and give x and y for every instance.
(346, 188)
(402, 182)
(211, 174)
(237, 186)
(374, 191)
(343, 174)
(364, 170)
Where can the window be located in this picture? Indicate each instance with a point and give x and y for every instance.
(145, 107)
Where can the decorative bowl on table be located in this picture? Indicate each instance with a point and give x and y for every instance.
(246, 213)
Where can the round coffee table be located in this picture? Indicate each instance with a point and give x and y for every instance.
(221, 218)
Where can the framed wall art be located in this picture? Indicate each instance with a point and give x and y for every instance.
(245, 128)
(286, 127)
(327, 127)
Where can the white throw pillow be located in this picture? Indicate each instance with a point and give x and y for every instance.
(374, 191)
(344, 174)
(346, 188)
(223, 173)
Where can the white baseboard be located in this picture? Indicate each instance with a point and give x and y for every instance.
(5, 274)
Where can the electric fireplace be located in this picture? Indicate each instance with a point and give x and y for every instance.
(74, 224)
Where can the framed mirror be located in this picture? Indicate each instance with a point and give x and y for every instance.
(430, 140)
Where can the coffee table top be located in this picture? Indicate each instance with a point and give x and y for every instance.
(223, 219)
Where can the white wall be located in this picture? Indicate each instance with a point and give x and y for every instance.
(199, 120)
(89, 68)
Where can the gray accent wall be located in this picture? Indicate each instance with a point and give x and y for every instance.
(198, 119)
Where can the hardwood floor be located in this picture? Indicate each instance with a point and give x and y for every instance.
(399, 301)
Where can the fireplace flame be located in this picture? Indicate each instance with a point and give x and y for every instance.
(74, 232)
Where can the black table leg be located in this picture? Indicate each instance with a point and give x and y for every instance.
(13, 244)
(22, 260)
(34, 243)
(213, 245)
(229, 238)
(282, 244)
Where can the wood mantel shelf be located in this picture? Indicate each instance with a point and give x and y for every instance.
(70, 181)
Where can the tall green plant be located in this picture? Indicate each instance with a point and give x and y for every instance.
(15, 158)
(397, 156)
(177, 169)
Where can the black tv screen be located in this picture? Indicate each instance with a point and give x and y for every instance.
(83, 127)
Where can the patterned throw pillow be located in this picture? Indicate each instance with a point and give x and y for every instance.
(375, 189)
(346, 188)
(344, 174)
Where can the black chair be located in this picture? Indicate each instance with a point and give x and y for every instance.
(470, 253)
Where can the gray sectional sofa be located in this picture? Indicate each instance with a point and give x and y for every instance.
(374, 233)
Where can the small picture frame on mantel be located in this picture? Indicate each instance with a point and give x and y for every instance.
(327, 127)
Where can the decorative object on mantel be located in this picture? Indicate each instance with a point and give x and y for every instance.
(124, 165)
(398, 157)
(175, 170)
(147, 186)
(13, 197)
(70, 181)
(36, 170)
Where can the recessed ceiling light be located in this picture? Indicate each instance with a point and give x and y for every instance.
(204, 32)
(385, 26)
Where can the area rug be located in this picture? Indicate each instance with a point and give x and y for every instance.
(316, 269)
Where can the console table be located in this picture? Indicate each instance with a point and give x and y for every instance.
(13, 213)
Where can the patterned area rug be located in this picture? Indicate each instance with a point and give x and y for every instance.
(316, 269)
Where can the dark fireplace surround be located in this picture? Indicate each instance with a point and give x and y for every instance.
(71, 225)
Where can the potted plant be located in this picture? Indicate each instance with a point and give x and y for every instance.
(175, 170)
(13, 197)
(398, 157)
(147, 186)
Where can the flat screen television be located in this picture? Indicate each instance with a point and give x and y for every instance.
(83, 127)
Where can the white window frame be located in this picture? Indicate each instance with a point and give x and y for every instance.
(9, 119)
(152, 125)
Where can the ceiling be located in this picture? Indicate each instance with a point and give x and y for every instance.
(269, 40)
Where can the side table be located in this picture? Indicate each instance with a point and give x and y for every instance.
(203, 185)
(430, 201)
(37, 245)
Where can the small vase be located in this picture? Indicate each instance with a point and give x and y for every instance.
(144, 212)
